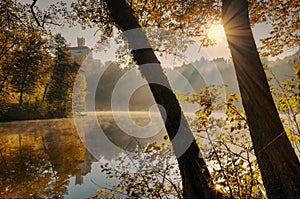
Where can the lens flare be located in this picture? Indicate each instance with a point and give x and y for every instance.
(216, 32)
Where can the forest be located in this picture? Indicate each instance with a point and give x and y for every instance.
(37, 75)
(252, 151)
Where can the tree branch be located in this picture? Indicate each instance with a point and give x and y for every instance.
(33, 13)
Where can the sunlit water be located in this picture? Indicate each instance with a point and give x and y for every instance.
(47, 158)
(60, 158)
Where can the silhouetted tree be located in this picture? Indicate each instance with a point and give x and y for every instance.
(277, 160)
(64, 70)
(194, 172)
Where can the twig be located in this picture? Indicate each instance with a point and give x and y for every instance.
(33, 13)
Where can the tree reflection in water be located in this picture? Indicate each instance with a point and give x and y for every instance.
(39, 158)
(39, 162)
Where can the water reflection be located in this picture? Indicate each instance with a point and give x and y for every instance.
(47, 158)
(103, 137)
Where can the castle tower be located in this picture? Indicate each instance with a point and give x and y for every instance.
(80, 41)
(81, 51)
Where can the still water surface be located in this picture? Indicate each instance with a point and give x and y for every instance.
(58, 159)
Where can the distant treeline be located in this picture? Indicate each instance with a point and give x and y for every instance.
(37, 77)
(142, 98)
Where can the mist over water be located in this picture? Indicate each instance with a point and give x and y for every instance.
(51, 158)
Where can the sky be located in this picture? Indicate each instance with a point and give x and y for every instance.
(219, 50)
(194, 52)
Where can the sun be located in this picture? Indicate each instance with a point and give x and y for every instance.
(216, 32)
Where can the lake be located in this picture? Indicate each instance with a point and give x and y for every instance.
(61, 158)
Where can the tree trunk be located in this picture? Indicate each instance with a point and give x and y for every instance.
(276, 158)
(3, 81)
(195, 175)
(21, 93)
(45, 92)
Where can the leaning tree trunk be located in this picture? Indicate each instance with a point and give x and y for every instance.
(195, 175)
(276, 158)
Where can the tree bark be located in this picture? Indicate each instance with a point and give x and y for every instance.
(22, 87)
(276, 158)
(195, 175)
